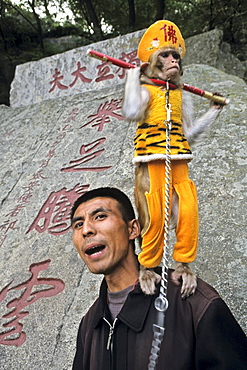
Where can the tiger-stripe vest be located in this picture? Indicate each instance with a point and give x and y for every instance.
(150, 139)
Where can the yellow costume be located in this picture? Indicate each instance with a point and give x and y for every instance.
(187, 228)
(150, 145)
(150, 139)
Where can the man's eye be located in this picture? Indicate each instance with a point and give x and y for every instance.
(100, 216)
(78, 225)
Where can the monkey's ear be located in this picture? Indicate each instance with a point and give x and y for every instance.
(144, 66)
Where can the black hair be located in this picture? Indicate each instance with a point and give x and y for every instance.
(124, 202)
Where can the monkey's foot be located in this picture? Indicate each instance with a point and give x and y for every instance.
(148, 279)
(189, 281)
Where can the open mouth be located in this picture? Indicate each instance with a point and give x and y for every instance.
(96, 249)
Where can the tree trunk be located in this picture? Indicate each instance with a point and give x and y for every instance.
(38, 25)
(93, 17)
(2, 12)
(132, 16)
(160, 9)
(211, 17)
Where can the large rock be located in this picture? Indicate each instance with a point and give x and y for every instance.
(203, 48)
(209, 48)
(56, 149)
(73, 72)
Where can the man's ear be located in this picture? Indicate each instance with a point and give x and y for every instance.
(134, 229)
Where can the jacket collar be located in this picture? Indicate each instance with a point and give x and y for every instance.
(134, 311)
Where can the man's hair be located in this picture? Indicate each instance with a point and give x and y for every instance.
(124, 202)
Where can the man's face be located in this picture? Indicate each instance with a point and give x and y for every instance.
(101, 236)
(170, 60)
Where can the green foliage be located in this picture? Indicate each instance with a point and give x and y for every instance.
(23, 27)
(29, 28)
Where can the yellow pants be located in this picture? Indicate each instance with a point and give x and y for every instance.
(188, 224)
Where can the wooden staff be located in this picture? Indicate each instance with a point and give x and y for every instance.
(194, 90)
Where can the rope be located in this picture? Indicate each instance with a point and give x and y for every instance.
(161, 302)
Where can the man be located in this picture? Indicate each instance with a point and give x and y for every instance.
(117, 331)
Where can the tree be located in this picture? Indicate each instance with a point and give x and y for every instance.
(24, 26)
(160, 9)
(29, 19)
(132, 15)
(38, 27)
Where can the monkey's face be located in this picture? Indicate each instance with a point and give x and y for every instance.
(165, 64)
(169, 63)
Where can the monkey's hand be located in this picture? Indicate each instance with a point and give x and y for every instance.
(215, 104)
(136, 97)
(148, 279)
(189, 282)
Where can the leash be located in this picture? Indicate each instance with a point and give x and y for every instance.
(161, 302)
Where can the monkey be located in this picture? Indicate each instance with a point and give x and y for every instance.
(141, 104)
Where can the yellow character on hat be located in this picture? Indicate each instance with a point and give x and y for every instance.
(161, 50)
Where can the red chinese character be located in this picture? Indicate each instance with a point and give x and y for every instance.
(56, 82)
(104, 112)
(38, 175)
(2, 239)
(59, 138)
(130, 58)
(24, 198)
(170, 34)
(15, 211)
(85, 149)
(5, 227)
(50, 154)
(71, 117)
(103, 72)
(79, 75)
(56, 211)
(29, 296)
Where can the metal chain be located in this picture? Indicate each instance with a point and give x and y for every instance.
(161, 302)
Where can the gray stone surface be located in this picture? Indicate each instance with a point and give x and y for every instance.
(203, 48)
(80, 141)
(209, 48)
(34, 81)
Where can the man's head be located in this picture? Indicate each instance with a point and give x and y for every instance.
(104, 228)
(124, 202)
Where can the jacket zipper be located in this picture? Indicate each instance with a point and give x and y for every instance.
(111, 331)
